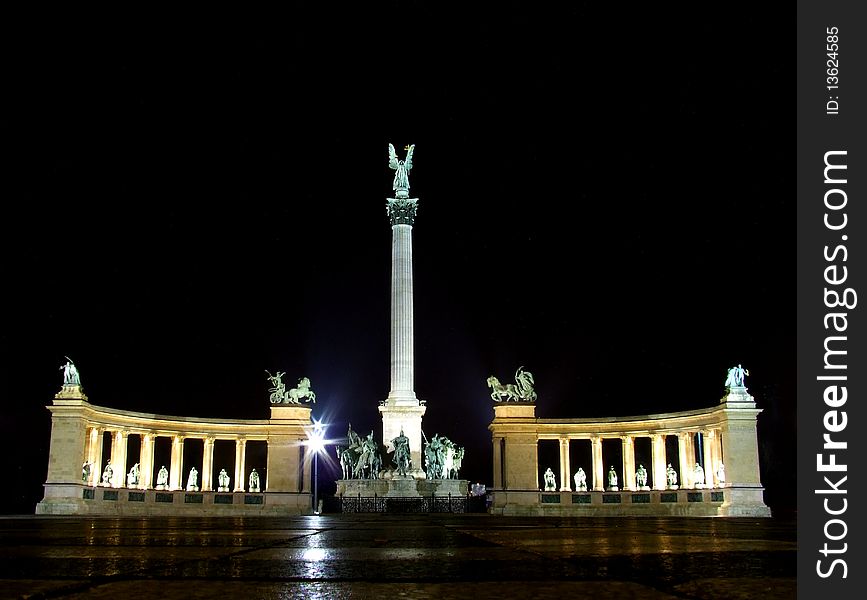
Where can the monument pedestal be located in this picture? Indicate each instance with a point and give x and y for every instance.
(402, 487)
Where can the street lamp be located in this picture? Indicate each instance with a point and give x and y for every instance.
(316, 445)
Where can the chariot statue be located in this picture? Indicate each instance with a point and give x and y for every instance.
(521, 391)
(280, 395)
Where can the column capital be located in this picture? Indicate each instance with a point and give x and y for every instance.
(210, 439)
(709, 433)
(401, 211)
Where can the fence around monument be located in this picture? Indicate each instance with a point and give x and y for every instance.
(405, 505)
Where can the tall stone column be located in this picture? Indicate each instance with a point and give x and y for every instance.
(240, 463)
(659, 464)
(175, 476)
(401, 409)
(564, 465)
(598, 468)
(147, 461)
(208, 464)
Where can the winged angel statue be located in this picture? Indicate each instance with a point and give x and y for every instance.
(402, 168)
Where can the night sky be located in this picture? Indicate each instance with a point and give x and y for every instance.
(605, 197)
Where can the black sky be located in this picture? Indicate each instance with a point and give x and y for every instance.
(606, 198)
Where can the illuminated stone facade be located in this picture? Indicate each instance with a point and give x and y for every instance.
(77, 436)
(727, 432)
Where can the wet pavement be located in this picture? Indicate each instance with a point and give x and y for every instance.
(396, 556)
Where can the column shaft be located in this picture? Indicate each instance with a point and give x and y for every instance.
(598, 469)
(684, 464)
(118, 463)
(147, 461)
(659, 464)
(628, 443)
(240, 466)
(707, 449)
(208, 464)
(402, 365)
(565, 485)
(175, 475)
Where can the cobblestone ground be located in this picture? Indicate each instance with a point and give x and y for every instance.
(399, 556)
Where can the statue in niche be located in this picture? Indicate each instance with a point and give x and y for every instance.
(400, 185)
(162, 478)
(402, 456)
(550, 481)
(721, 474)
(671, 477)
(254, 481)
(521, 391)
(223, 481)
(193, 480)
(70, 373)
(612, 479)
(698, 475)
(735, 377)
(85, 471)
(641, 477)
(132, 478)
(107, 474)
(580, 480)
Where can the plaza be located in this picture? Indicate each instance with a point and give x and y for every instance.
(402, 556)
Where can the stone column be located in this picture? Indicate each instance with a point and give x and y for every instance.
(685, 466)
(175, 475)
(147, 461)
(240, 460)
(564, 466)
(118, 462)
(598, 468)
(716, 454)
(707, 449)
(498, 463)
(401, 409)
(657, 448)
(628, 443)
(208, 464)
(95, 457)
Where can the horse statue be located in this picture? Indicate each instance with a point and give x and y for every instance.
(302, 391)
(347, 458)
(510, 391)
(366, 459)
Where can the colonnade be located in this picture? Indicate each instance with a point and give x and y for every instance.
(726, 432)
(78, 431)
(710, 459)
(176, 468)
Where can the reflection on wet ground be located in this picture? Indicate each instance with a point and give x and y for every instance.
(399, 556)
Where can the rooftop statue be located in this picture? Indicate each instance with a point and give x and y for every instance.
(280, 395)
(521, 391)
(735, 377)
(401, 168)
(70, 373)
